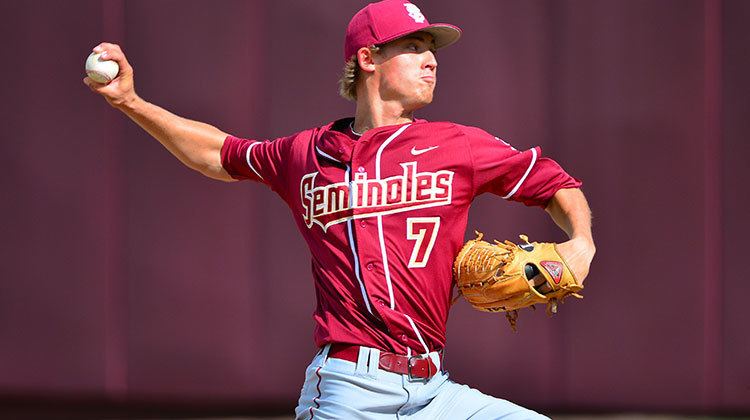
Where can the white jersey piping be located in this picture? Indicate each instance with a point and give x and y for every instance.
(419, 336)
(523, 178)
(380, 218)
(386, 269)
(247, 158)
(327, 155)
(357, 272)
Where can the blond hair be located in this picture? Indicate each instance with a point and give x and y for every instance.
(350, 76)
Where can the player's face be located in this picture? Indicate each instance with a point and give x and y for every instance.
(407, 70)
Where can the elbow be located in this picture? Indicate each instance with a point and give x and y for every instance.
(210, 166)
(563, 199)
(213, 172)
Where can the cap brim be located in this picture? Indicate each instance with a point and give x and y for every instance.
(444, 34)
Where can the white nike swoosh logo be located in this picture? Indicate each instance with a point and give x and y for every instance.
(415, 151)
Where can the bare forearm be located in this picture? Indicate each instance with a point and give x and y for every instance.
(570, 211)
(196, 144)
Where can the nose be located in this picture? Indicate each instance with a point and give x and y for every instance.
(430, 61)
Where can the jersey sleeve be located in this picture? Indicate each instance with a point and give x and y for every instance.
(523, 176)
(260, 161)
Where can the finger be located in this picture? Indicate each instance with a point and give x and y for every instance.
(538, 280)
(117, 57)
(107, 46)
(91, 88)
(90, 82)
(112, 52)
(94, 86)
(544, 288)
(539, 283)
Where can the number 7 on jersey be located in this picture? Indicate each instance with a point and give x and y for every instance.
(424, 231)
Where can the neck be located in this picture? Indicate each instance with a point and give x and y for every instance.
(374, 113)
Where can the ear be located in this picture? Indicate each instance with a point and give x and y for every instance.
(366, 60)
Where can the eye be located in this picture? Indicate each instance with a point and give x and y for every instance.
(412, 47)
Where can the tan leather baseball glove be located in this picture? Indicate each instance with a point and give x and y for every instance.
(496, 277)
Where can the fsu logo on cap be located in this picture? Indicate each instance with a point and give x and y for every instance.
(554, 268)
(415, 13)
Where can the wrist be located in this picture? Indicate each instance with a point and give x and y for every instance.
(585, 240)
(128, 103)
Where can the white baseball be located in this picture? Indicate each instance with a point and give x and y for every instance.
(101, 71)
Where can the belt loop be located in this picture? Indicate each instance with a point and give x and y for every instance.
(374, 364)
(324, 351)
(362, 360)
(437, 360)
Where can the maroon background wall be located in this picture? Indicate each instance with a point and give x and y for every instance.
(127, 277)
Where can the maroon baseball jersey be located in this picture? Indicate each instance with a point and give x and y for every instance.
(384, 216)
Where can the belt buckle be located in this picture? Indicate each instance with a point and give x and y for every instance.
(413, 361)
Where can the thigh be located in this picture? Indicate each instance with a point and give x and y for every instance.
(334, 390)
(456, 401)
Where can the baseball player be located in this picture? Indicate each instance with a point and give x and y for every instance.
(382, 201)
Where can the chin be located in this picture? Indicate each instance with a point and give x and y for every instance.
(415, 105)
(421, 99)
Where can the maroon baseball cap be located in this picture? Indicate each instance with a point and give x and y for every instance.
(384, 21)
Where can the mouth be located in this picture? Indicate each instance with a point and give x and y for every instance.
(429, 79)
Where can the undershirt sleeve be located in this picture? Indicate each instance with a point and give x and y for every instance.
(523, 176)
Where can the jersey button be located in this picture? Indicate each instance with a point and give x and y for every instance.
(362, 223)
(403, 337)
(370, 266)
(361, 169)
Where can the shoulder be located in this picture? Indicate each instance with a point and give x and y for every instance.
(473, 132)
(454, 129)
(315, 132)
(453, 126)
(300, 139)
(302, 143)
(437, 127)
